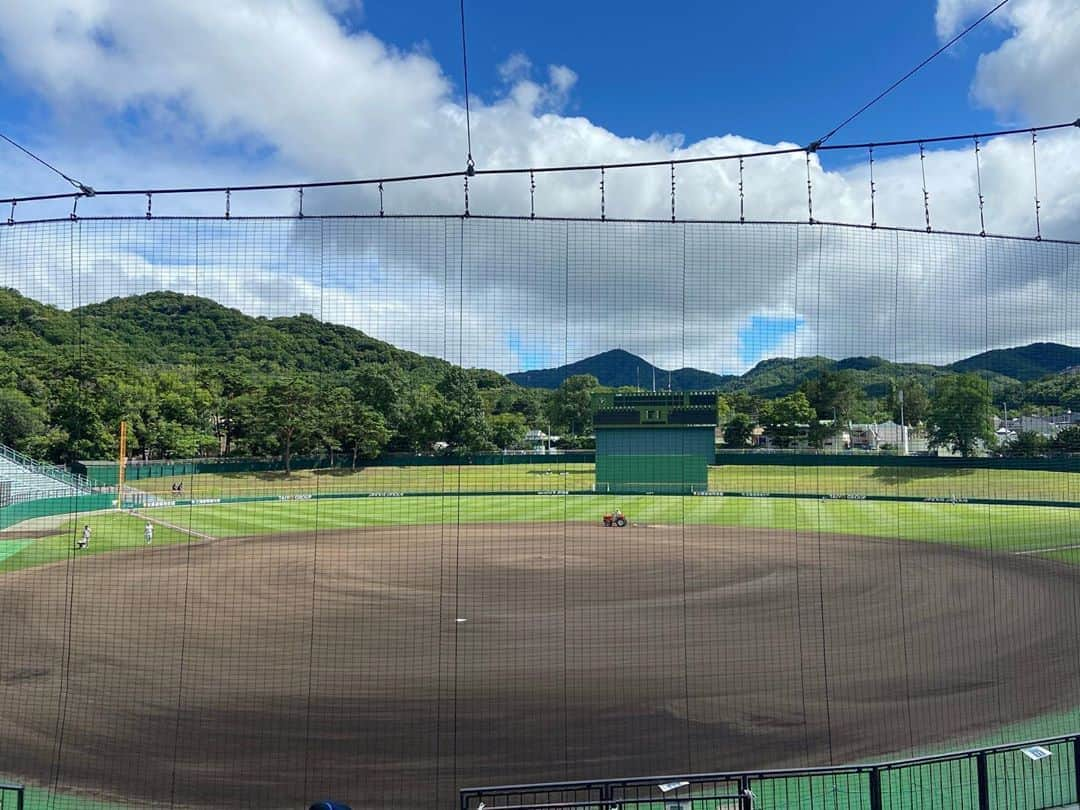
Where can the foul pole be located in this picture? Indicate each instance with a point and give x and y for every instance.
(123, 462)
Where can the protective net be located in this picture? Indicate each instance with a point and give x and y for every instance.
(357, 549)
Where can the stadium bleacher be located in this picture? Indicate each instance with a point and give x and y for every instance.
(31, 480)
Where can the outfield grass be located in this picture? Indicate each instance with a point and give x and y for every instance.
(923, 482)
(446, 478)
(997, 528)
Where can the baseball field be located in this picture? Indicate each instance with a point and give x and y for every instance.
(387, 650)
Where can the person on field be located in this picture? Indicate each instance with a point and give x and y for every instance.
(148, 532)
(84, 541)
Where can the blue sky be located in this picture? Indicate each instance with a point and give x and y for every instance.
(200, 92)
(766, 71)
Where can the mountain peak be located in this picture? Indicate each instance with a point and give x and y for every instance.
(618, 368)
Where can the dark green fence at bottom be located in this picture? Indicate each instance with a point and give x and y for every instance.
(12, 797)
(802, 496)
(105, 473)
(43, 507)
(978, 779)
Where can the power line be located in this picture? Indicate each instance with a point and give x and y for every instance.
(84, 189)
(469, 165)
(816, 144)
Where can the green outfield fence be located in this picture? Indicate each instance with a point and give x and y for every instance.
(1004, 776)
(1062, 463)
(107, 472)
(12, 797)
(70, 505)
(478, 493)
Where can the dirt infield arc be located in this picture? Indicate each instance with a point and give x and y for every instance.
(387, 667)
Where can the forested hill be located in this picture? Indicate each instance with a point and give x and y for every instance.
(169, 328)
(1024, 363)
(775, 377)
(617, 368)
(192, 377)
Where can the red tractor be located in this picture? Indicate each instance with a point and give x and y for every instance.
(616, 519)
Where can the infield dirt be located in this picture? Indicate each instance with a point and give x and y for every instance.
(387, 667)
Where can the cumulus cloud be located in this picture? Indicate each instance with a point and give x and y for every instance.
(1034, 74)
(261, 91)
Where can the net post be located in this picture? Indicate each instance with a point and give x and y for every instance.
(746, 797)
(875, 789)
(1076, 766)
(607, 800)
(983, 780)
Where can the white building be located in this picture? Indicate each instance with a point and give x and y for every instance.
(540, 442)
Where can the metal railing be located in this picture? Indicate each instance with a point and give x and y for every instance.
(79, 482)
(8, 791)
(1032, 775)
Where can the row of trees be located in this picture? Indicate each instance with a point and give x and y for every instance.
(957, 414)
(184, 411)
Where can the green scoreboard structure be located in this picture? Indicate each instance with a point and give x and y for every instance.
(654, 442)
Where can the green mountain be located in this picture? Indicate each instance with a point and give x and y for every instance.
(780, 375)
(191, 376)
(618, 368)
(164, 329)
(1024, 363)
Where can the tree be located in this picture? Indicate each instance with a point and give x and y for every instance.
(916, 402)
(288, 413)
(785, 418)
(742, 402)
(368, 433)
(233, 402)
(1027, 444)
(738, 430)
(333, 420)
(20, 418)
(379, 387)
(1067, 440)
(834, 395)
(507, 429)
(464, 421)
(422, 412)
(959, 416)
(177, 416)
(571, 404)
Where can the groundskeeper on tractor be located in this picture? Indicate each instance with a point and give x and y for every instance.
(616, 519)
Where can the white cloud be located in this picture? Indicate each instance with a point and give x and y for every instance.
(1034, 75)
(304, 98)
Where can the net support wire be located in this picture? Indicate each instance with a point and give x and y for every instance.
(814, 147)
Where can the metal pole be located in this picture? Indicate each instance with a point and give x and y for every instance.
(984, 781)
(875, 789)
(746, 798)
(1076, 766)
